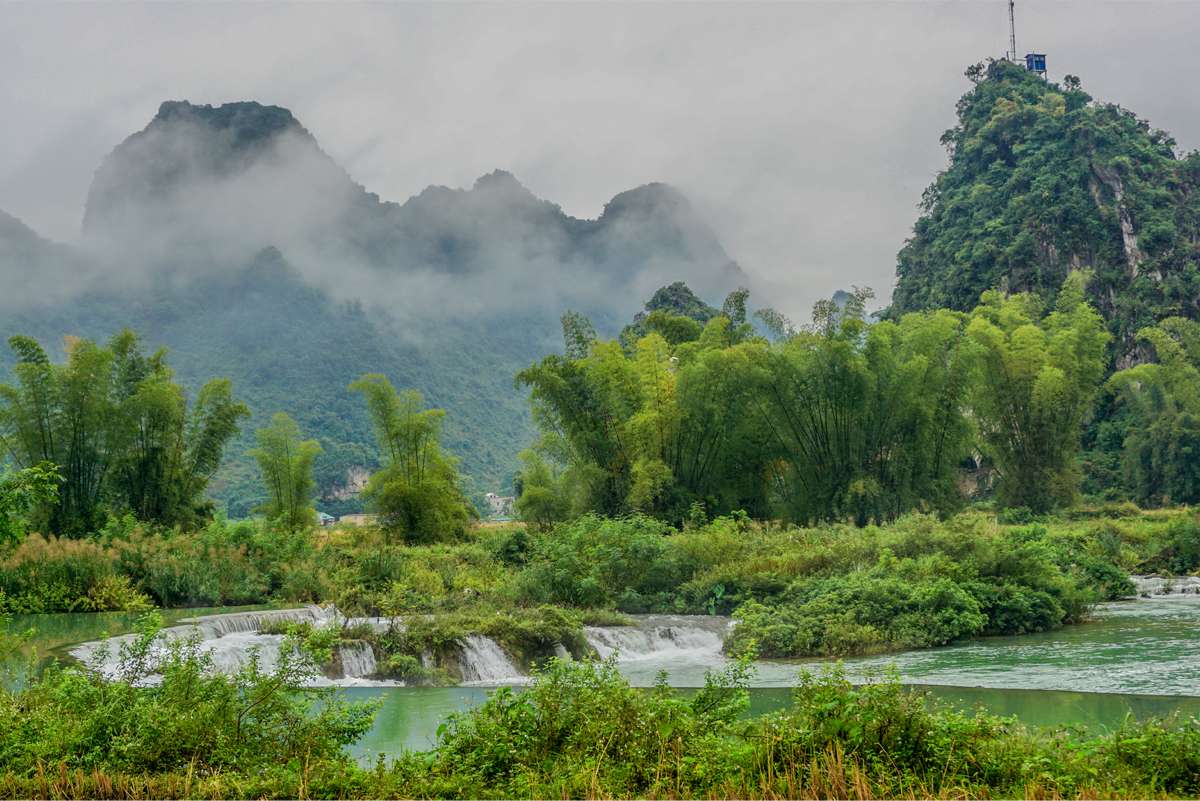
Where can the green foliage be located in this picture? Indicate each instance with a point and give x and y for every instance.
(868, 419)
(21, 492)
(286, 464)
(580, 731)
(923, 588)
(1037, 383)
(1043, 181)
(674, 312)
(1160, 447)
(601, 562)
(541, 491)
(652, 426)
(130, 565)
(849, 420)
(581, 728)
(118, 430)
(192, 719)
(417, 491)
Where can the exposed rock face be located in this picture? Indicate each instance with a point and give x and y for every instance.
(1111, 180)
(354, 483)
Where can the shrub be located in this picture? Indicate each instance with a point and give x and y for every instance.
(48, 574)
(597, 561)
(192, 718)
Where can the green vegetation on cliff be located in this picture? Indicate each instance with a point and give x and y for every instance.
(1043, 180)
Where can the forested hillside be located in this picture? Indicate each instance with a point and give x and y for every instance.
(1043, 180)
(227, 235)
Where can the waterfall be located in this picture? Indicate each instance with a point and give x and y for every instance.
(232, 640)
(483, 661)
(358, 660)
(654, 636)
(1152, 586)
(214, 626)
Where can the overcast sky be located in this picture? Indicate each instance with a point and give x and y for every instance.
(804, 132)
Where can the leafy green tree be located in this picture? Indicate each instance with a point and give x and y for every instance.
(866, 419)
(1161, 444)
(542, 498)
(21, 492)
(118, 429)
(167, 452)
(285, 463)
(417, 492)
(656, 422)
(1037, 382)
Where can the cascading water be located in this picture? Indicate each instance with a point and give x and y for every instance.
(232, 640)
(654, 636)
(358, 660)
(686, 647)
(215, 626)
(483, 661)
(1154, 586)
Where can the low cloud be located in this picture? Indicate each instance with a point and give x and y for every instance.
(805, 132)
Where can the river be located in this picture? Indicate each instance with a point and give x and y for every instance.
(1139, 658)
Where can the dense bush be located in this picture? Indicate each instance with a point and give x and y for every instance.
(579, 731)
(596, 561)
(190, 719)
(128, 565)
(927, 585)
(48, 574)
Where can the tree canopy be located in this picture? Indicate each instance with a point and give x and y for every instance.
(1043, 181)
(118, 429)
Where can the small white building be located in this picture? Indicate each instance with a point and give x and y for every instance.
(500, 505)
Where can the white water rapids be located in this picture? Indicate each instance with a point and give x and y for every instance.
(233, 640)
(684, 646)
(653, 642)
(1155, 586)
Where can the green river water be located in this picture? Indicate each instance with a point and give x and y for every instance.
(1139, 658)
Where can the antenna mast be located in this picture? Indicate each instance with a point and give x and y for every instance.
(1012, 32)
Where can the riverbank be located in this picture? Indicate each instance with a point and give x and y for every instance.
(579, 730)
(796, 592)
(1139, 658)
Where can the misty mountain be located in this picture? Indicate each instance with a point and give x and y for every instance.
(226, 234)
(221, 183)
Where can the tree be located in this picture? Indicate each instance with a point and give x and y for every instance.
(118, 430)
(21, 492)
(166, 452)
(657, 421)
(542, 499)
(417, 492)
(63, 414)
(866, 419)
(1036, 384)
(1161, 443)
(286, 465)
